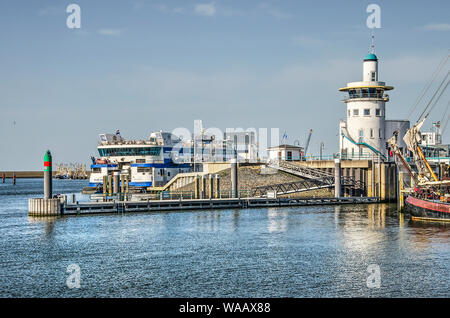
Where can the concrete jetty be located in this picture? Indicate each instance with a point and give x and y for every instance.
(85, 208)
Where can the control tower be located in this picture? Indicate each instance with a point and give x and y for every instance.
(363, 134)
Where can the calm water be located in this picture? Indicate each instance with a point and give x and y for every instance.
(274, 252)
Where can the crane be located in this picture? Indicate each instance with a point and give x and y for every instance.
(307, 142)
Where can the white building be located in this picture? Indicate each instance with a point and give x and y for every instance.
(285, 152)
(365, 132)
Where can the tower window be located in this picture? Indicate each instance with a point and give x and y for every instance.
(366, 112)
(356, 112)
(361, 133)
(348, 113)
(371, 132)
(378, 112)
(373, 76)
(379, 133)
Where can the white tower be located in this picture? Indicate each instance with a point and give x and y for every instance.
(362, 136)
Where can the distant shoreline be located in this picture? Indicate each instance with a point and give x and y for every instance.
(25, 174)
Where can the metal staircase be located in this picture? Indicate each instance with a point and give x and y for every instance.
(314, 179)
(299, 170)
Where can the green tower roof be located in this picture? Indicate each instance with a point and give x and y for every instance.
(371, 57)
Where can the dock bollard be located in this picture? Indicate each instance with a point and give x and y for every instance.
(105, 185)
(46, 206)
(116, 182)
(234, 178)
(197, 187)
(47, 175)
(211, 186)
(217, 186)
(109, 185)
(203, 193)
(122, 183)
(14, 178)
(337, 178)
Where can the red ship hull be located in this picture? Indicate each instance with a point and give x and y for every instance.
(427, 210)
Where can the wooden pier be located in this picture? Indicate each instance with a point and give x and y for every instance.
(81, 208)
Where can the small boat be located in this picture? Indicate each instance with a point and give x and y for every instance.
(429, 200)
(427, 210)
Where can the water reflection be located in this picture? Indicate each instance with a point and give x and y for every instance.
(277, 219)
(235, 220)
(362, 234)
(48, 222)
(376, 215)
(425, 235)
(208, 221)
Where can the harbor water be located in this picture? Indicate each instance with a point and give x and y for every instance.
(318, 251)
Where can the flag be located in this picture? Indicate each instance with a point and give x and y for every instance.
(284, 135)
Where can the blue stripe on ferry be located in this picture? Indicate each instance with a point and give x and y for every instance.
(103, 165)
(166, 164)
(141, 164)
(93, 184)
(141, 184)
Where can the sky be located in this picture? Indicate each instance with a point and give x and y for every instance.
(142, 66)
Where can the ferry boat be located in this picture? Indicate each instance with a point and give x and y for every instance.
(147, 163)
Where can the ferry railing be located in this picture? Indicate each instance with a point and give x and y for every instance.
(189, 195)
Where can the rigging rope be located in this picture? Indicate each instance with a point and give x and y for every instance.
(446, 120)
(425, 90)
(434, 95)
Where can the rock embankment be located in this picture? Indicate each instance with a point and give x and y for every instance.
(250, 177)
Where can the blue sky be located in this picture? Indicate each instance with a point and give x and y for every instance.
(140, 66)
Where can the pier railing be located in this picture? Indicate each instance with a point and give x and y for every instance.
(172, 195)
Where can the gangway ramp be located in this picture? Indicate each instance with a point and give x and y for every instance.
(314, 179)
(299, 170)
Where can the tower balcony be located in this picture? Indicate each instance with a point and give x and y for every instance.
(366, 97)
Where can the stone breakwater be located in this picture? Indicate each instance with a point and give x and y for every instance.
(255, 176)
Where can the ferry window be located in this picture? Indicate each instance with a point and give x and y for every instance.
(168, 174)
(96, 170)
(140, 160)
(136, 151)
(143, 169)
(366, 112)
(378, 112)
(356, 112)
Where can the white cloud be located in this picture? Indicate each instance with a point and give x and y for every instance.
(437, 27)
(110, 32)
(205, 9)
(166, 9)
(276, 13)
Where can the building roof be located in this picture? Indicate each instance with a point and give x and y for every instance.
(371, 57)
(285, 146)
